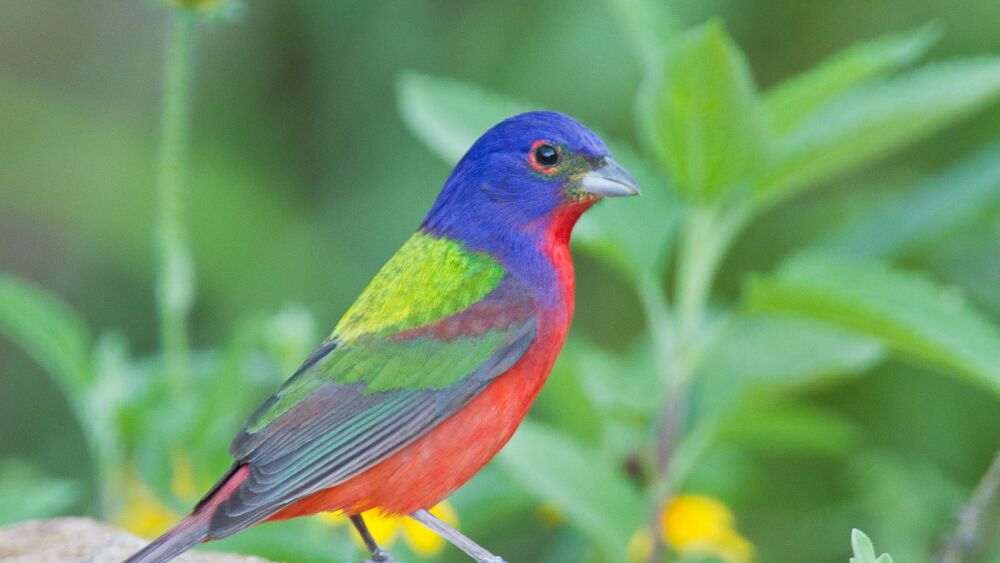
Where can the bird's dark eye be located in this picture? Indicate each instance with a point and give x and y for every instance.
(545, 157)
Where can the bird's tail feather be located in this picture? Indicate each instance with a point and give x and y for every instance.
(195, 528)
(186, 534)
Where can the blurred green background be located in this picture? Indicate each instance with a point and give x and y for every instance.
(305, 178)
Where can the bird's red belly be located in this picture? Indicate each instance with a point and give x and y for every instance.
(428, 470)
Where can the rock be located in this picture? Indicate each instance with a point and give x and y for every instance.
(82, 540)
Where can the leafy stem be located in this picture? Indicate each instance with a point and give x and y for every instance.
(175, 286)
(704, 239)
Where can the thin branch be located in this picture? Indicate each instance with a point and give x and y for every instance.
(965, 539)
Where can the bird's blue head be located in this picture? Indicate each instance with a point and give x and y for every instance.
(527, 177)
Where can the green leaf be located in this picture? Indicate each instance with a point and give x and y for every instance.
(924, 212)
(792, 429)
(766, 354)
(448, 115)
(48, 330)
(864, 551)
(592, 493)
(909, 312)
(648, 25)
(26, 493)
(874, 120)
(600, 370)
(796, 98)
(705, 119)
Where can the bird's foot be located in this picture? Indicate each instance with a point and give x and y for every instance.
(492, 559)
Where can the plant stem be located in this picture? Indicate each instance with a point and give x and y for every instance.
(704, 239)
(694, 270)
(174, 291)
(965, 539)
(659, 321)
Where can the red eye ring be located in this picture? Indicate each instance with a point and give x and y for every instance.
(544, 157)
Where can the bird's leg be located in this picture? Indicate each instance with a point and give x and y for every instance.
(456, 538)
(379, 555)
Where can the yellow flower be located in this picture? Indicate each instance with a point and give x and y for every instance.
(702, 526)
(385, 530)
(142, 513)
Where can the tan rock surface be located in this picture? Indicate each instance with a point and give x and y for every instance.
(82, 540)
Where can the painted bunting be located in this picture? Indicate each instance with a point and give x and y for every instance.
(432, 369)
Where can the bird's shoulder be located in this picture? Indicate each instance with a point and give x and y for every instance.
(427, 280)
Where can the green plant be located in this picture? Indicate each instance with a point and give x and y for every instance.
(156, 445)
(864, 551)
(716, 155)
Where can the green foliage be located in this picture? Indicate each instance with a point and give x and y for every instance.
(792, 430)
(798, 97)
(707, 122)
(770, 354)
(872, 120)
(48, 330)
(928, 210)
(27, 494)
(910, 313)
(594, 495)
(649, 24)
(885, 485)
(701, 118)
(447, 115)
(864, 551)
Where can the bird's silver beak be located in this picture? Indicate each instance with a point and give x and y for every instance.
(609, 180)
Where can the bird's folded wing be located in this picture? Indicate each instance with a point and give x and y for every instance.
(359, 399)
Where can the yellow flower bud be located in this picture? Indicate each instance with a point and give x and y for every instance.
(549, 514)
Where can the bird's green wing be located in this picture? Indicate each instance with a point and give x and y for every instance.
(430, 332)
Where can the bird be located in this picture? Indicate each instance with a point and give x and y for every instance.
(432, 369)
